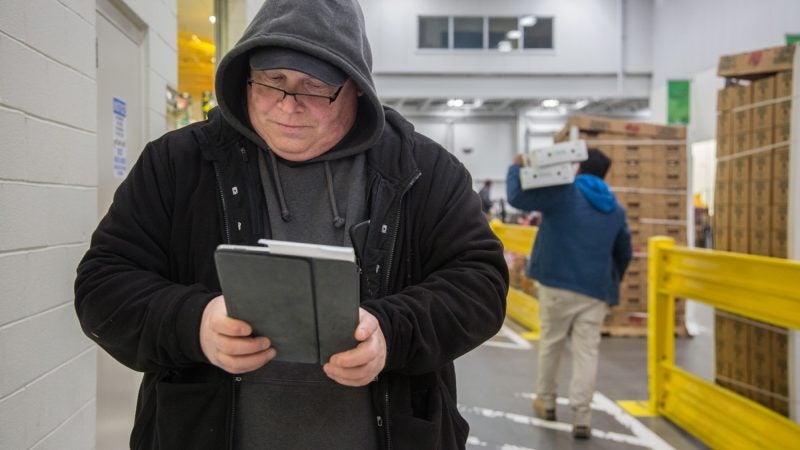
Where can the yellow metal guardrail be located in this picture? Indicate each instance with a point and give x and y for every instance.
(521, 307)
(766, 289)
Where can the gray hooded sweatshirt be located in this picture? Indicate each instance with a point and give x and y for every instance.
(287, 405)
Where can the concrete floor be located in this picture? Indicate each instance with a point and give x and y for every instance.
(496, 385)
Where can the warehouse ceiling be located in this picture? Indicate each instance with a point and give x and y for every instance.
(623, 107)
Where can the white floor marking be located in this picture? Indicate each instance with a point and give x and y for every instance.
(517, 341)
(472, 440)
(643, 435)
(628, 421)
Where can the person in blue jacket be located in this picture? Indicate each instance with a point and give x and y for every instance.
(579, 257)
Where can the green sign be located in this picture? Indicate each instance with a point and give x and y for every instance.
(678, 102)
(792, 39)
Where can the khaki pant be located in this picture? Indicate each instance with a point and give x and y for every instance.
(565, 313)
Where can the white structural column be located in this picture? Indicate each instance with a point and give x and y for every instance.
(793, 234)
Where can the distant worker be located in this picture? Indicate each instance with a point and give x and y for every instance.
(579, 257)
(486, 198)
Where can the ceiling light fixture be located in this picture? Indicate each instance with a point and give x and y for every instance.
(550, 103)
(504, 46)
(513, 34)
(455, 103)
(212, 19)
(580, 104)
(527, 21)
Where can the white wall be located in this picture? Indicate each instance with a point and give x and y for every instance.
(48, 180)
(689, 36)
(586, 37)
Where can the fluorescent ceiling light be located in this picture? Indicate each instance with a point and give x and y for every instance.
(455, 103)
(212, 19)
(504, 46)
(527, 21)
(513, 34)
(550, 103)
(581, 104)
(477, 103)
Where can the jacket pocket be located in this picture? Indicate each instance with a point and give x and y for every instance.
(192, 415)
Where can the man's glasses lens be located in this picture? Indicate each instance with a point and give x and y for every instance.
(273, 93)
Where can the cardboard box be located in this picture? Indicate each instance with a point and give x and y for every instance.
(760, 218)
(783, 84)
(783, 113)
(779, 219)
(724, 145)
(742, 141)
(536, 177)
(740, 192)
(777, 244)
(741, 342)
(740, 169)
(780, 368)
(780, 163)
(780, 191)
(669, 151)
(740, 239)
(723, 170)
(740, 215)
(760, 242)
(725, 99)
(756, 62)
(781, 134)
(759, 361)
(642, 129)
(723, 348)
(722, 192)
(722, 215)
(760, 191)
(570, 151)
(741, 96)
(721, 238)
(761, 138)
(761, 166)
(742, 120)
(763, 89)
(763, 117)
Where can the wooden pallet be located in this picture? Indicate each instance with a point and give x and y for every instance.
(636, 331)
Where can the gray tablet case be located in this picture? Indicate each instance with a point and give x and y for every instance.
(307, 306)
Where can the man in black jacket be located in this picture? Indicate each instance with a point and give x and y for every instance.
(300, 150)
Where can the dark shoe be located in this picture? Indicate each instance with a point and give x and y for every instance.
(581, 431)
(542, 411)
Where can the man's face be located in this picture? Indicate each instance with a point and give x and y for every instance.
(299, 130)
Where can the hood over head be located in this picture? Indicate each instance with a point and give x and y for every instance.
(596, 192)
(331, 31)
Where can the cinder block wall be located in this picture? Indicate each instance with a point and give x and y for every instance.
(48, 207)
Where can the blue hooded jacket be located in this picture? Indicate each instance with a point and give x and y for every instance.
(583, 244)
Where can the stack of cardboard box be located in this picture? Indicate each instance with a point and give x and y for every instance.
(750, 210)
(648, 176)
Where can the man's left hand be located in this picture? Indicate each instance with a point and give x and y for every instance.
(360, 365)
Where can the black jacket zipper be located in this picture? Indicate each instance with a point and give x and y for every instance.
(385, 420)
(237, 380)
(224, 207)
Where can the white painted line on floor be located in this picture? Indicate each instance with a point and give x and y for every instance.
(552, 425)
(602, 403)
(517, 341)
(472, 440)
(628, 421)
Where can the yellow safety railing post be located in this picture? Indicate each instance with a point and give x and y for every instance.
(521, 307)
(757, 287)
(660, 319)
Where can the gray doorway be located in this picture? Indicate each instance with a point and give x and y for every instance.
(120, 112)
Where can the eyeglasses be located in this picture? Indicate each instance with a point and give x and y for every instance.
(277, 94)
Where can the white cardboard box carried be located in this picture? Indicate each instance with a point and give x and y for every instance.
(552, 166)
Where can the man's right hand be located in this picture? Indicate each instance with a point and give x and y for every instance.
(227, 343)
